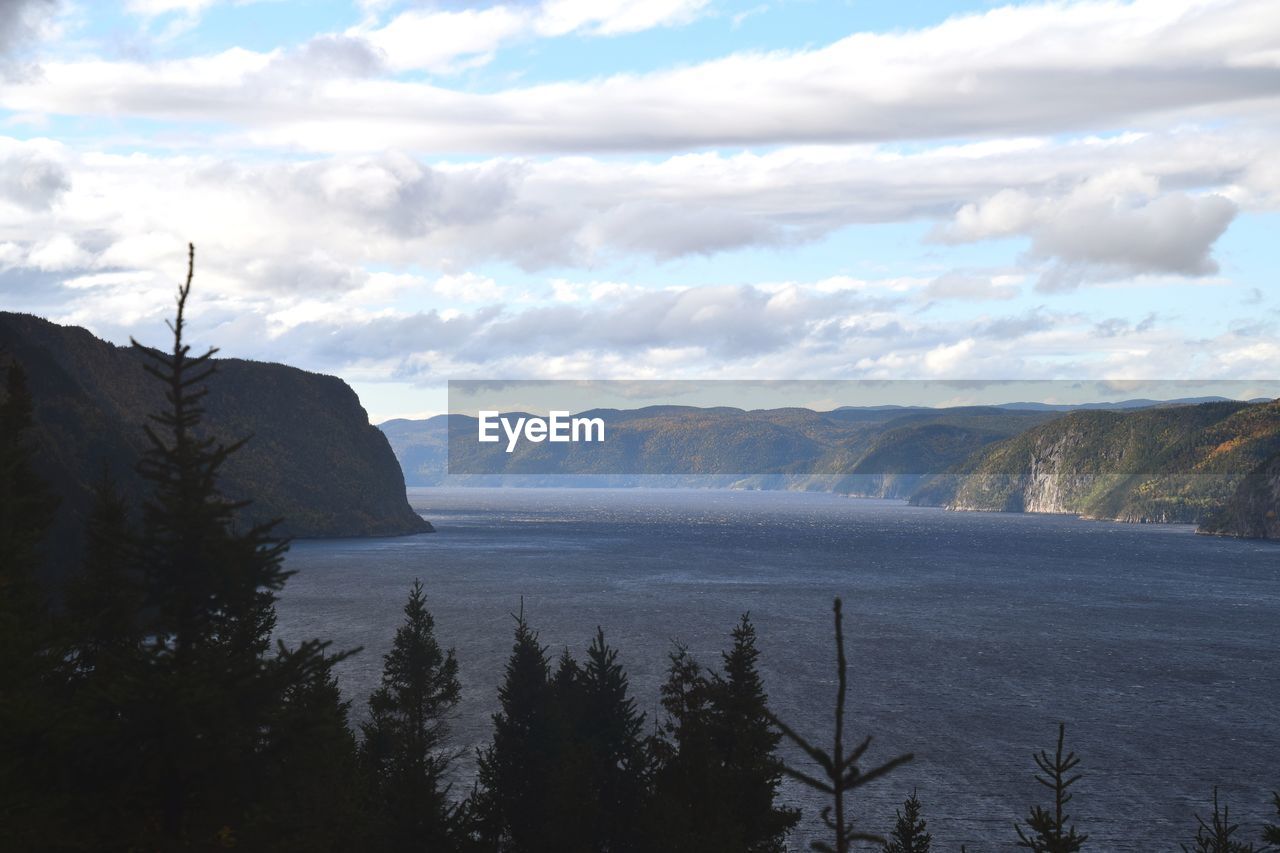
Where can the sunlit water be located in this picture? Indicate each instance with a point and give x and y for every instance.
(970, 635)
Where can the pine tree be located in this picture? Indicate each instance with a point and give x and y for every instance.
(840, 770)
(689, 810)
(515, 769)
(1271, 833)
(748, 742)
(909, 831)
(610, 728)
(1214, 835)
(31, 651)
(403, 748)
(193, 737)
(1047, 831)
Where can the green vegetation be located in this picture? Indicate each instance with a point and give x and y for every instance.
(143, 707)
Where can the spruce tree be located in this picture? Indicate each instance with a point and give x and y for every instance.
(689, 808)
(515, 769)
(840, 771)
(748, 743)
(194, 736)
(610, 732)
(910, 833)
(31, 653)
(403, 749)
(1271, 834)
(1047, 831)
(1214, 835)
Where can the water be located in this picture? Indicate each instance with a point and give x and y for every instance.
(970, 636)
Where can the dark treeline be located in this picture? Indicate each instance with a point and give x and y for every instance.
(144, 707)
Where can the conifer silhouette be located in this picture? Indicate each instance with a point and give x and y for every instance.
(1214, 835)
(1271, 834)
(515, 769)
(840, 769)
(403, 748)
(1047, 831)
(909, 831)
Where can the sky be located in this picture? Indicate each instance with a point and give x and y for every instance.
(405, 193)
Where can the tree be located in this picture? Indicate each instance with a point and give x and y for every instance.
(1214, 835)
(841, 770)
(689, 810)
(1046, 830)
(909, 831)
(1271, 834)
(747, 742)
(191, 743)
(611, 748)
(515, 769)
(30, 646)
(403, 748)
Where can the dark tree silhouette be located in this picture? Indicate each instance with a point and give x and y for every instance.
(840, 770)
(610, 744)
(403, 748)
(1271, 834)
(515, 769)
(30, 647)
(747, 742)
(1214, 835)
(910, 833)
(1046, 830)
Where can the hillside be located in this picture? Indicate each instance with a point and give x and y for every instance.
(1254, 510)
(1167, 464)
(882, 453)
(313, 458)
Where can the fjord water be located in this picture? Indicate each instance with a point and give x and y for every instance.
(970, 636)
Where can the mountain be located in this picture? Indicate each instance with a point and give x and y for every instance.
(883, 452)
(1254, 510)
(1161, 464)
(313, 459)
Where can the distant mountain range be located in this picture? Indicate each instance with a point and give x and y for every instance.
(313, 458)
(1138, 460)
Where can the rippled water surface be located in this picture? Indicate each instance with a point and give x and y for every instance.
(970, 635)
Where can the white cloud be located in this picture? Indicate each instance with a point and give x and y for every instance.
(1026, 69)
(613, 17)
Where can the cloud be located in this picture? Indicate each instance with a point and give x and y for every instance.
(31, 175)
(1113, 225)
(1024, 69)
(956, 285)
(21, 22)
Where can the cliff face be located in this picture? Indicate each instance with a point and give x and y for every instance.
(313, 459)
(1254, 510)
(1175, 464)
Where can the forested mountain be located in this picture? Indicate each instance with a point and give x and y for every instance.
(867, 452)
(312, 458)
(1254, 510)
(1168, 464)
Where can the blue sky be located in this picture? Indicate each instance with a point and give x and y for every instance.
(403, 193)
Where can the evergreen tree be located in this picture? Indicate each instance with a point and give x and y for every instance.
(515, 769)
(610, 739)
(747, 742)
(839, 768)
(1271, 834)
(30, 648)
(190, 743)
(403, 749)
(689, 810)
(1214, 835)
(1047, 831)
(909, 831)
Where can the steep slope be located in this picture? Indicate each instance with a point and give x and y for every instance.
(313, 458)
(1169, 464)
(882, 453)
(1254, 510)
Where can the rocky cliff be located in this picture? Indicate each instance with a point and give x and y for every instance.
(313, 458)
(1169, 464)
